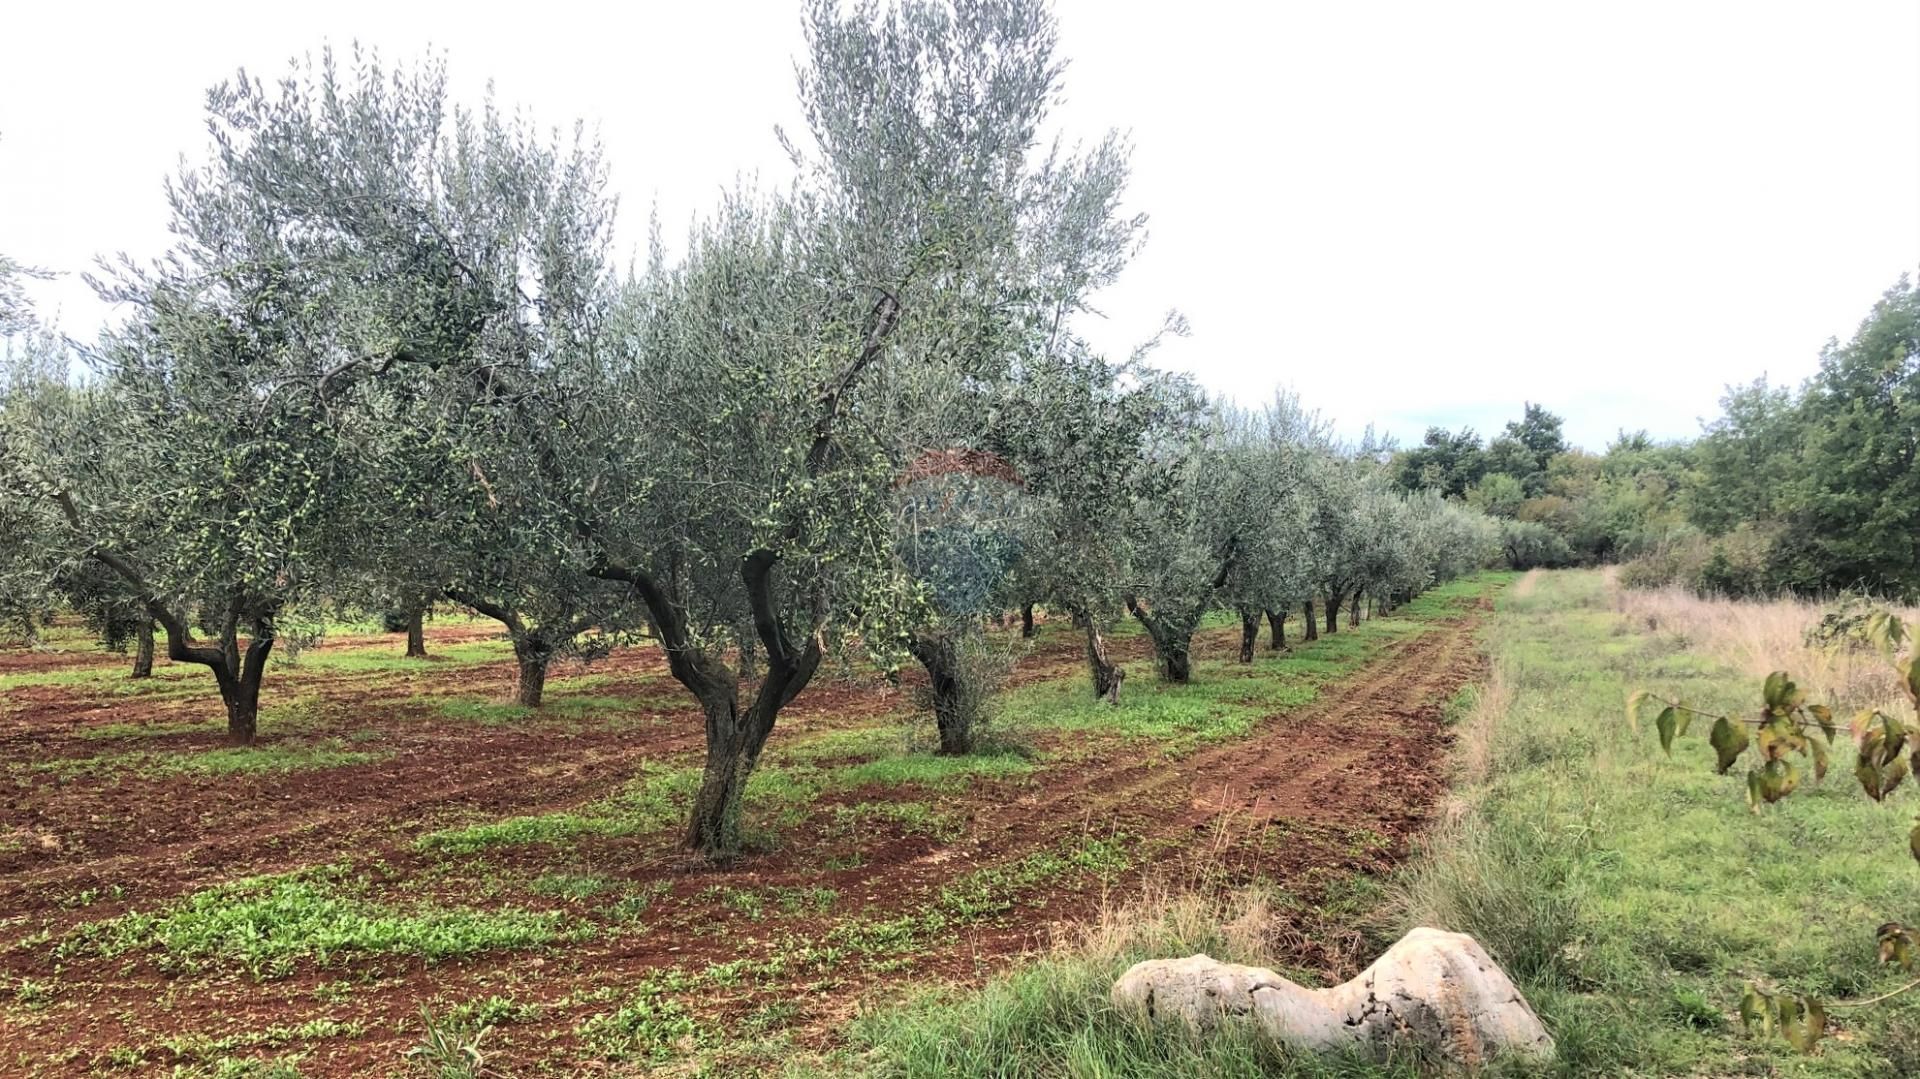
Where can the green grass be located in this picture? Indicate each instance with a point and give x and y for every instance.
(575, 886)
(928, 770)
(199, 1047)
(267, 758)
(1631, 895)
(265, 925)
(650, 1026)
(649, 802)
(1227, 699)
(911, 818)
(166, 680)
(380, 658)
(109, 731)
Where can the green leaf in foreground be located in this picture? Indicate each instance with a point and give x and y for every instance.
(1665, 724)
(1729, 740)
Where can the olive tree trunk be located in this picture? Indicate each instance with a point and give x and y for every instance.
(1249, 634)
(735, 735)
(1353, 619)
(533, 656)
(242, 699)
(953, 715)
(1172, 641)
(1333, 613)
(735, 738)
(143, 650)
(1313, 627)
(238, 675)
(1026, 622)
(1107, 674)
(417, 633)
(1277, 623)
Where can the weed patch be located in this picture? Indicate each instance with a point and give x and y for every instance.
(267, 924)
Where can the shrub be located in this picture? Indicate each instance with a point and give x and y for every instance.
(1845, 625)
(1529, 544)
(1740, 564)
(1674, 560)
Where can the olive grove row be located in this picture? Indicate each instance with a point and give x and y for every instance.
(392, 361)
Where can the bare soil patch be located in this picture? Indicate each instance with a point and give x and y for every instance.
(1310, 796)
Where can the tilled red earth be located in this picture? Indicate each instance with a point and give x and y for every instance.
(1307, 798)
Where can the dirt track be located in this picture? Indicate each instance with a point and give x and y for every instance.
(1328, 789)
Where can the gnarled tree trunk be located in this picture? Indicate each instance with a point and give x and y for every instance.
(1313, 625)
(1277, 623)
(417, 633)
(533, 656)
(1026, 622)
(1354, 618)
(533, 646)
(238, 675)
(735, 736)
(1249, 634)
(1333, 612)
(734, 740)
(1107, 674)
(1172, 641)
(143, 650)
(242, 699)
(940, 656)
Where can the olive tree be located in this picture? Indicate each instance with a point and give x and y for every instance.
(959, 539)
(17, 317)
(33, 380)
(1075, 426)
(729, 474)
(1274, 568)
(1385, 553)
(1338, 482)
(1206, 494)
(472, 251)
(964, 508)
(195, 463)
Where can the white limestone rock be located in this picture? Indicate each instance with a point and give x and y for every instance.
(1433, 988)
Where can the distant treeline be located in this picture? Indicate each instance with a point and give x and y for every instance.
(1804, 490)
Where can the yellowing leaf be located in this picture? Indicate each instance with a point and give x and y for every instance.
(1775, 690)
(1824, 716)
(1634, 701)
(1664, 723)
(1753, 1010)
(1776, 779)
(1729, 740)
(1802, 1022)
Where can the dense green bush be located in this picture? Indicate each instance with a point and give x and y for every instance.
(1530, 545)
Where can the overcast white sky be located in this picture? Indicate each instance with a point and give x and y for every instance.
(1420, 212)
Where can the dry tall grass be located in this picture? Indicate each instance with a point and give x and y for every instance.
(1762, 636)
(1193, 905)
